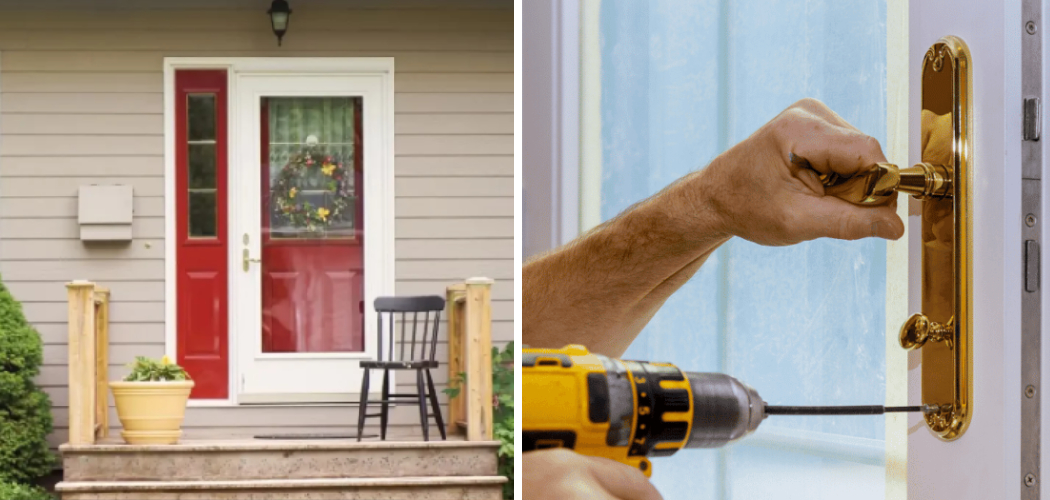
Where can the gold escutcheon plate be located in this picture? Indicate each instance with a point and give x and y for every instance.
(947, 299)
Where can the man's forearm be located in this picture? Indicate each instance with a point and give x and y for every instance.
(601, 289)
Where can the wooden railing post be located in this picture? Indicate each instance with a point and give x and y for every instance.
(479, 359)
(82, 384)
(101, 362)
(454, 297)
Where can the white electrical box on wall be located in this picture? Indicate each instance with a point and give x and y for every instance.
(105, 213)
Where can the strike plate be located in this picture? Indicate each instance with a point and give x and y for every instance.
(944, 329)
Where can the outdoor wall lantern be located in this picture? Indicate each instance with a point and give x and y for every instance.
(279, 13)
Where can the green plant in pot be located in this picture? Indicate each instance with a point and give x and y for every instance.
(151, 401)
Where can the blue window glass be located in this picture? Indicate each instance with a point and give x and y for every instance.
(683, 80)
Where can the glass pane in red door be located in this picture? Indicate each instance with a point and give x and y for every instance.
(312, 253)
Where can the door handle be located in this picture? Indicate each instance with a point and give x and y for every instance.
(923, 181)
(943, 331)
(246, 261)
(944, 184)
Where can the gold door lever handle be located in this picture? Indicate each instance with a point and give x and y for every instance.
(924, 181)
(246, 260)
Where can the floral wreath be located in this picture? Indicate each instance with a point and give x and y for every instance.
(289, 208)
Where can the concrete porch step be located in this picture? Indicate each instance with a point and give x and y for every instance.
(259, 460)
(406, 488)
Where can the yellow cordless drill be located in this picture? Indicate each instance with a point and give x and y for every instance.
(631, 410)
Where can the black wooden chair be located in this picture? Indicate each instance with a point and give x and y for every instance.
(414, 312)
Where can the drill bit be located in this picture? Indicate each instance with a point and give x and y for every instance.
(845, 410)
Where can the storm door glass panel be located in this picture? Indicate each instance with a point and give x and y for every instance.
(312, 257)
(682, 81)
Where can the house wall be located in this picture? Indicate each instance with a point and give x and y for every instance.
(81, 103)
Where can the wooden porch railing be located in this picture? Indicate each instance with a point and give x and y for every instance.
(470, 351)
(88, 362)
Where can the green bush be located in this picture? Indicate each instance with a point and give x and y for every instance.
(25, 411)
(502, 409)
(15, 491)
(503, 414)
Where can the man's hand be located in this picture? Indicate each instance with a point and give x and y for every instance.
(761, 196)
(563, 474)
(601, 289)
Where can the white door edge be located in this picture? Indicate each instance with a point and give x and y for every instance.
(985, 461)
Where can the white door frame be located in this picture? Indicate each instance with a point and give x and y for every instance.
(551, 119)
(985, 462)
(378, 184)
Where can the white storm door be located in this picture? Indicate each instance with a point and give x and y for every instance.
(985, 462)
(308, 148)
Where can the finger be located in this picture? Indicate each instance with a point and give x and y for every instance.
(810, 179)
(833, 149)
(834, 218)
(822, 110)
(622, 481)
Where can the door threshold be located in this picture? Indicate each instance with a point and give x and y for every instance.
(225, 403)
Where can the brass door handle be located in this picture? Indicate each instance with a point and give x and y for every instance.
(943, 182)
(924, 181)
(943, 333)
(246, 261)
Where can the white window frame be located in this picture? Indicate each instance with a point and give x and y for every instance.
(554, 150)
(379, 216)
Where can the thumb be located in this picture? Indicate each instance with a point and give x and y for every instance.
(835, 218)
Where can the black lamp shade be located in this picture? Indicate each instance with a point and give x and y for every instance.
(279, 13)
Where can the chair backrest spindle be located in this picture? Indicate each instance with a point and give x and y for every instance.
(434, 336)
(390, 323)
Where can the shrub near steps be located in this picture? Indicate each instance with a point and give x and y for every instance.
(25, 410)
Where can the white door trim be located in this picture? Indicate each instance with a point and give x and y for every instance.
(378, 183)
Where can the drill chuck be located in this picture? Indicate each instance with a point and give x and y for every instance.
(724, 410)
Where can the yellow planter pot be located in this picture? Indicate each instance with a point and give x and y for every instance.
(151, 412)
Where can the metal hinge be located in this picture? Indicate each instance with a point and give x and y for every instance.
(1032, 118)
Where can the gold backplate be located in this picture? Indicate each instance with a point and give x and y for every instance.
(947, 367)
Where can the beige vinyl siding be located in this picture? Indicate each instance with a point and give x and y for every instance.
(81, 103)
